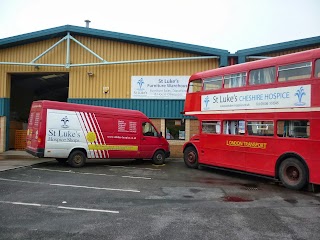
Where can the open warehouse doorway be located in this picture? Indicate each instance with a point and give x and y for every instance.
(26, 88)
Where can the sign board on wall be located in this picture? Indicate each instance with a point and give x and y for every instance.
(159, 87)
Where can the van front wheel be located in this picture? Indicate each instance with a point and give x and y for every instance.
(158, 158)
(77, 159)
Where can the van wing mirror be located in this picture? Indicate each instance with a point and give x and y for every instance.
(160, 134)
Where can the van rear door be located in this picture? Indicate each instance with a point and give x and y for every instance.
(33, 141)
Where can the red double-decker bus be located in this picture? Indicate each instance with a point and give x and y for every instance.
(260, 117)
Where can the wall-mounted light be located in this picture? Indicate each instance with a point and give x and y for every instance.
(105, 90)
(90, 74)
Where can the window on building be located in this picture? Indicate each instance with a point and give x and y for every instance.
(294, 71)
(213, 127)
(235, 80)
(149, 130)
(234, 127)
(262, 76)
(317, 69)
(195, 86)
(260, 128)
(212, 83)
(175, 129)
(293, 128)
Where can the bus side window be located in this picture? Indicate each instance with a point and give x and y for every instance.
(317, 69)
(294, 71)
(293, 128)
(234, 127)
(213, 83)
(195, 86)
(213, 127)
(260, 128)
(262, 76)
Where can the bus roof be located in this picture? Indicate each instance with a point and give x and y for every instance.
(88, 108)
(273, 61)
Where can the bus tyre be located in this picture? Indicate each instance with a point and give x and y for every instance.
(190, 157)
(158, 157)
(77, 159)
(293, 174)
(62, 160)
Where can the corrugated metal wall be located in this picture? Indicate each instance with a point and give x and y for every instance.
(116, 77)
(25, 54)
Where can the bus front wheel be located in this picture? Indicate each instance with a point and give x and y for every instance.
(190, 157)
(293, 174)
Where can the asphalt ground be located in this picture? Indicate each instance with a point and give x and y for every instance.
(124, 199)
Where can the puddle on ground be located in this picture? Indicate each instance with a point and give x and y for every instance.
(236, 199)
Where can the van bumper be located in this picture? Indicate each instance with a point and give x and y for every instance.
(38, 153)
(167, 154)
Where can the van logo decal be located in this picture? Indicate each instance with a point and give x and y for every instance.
(65, 120)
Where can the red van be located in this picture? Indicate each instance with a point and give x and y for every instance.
(74, 133)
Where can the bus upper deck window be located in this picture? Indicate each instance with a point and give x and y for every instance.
(317, 69)
(195, 86)
(295, 71)
(235, 80)
(212, 83)
(262, 76)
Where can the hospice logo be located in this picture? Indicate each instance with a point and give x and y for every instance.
(140, 83)
(206, 102)
(65, 120)
(300, 93)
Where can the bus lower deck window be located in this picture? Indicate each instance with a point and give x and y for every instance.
(211, 127)
(260, 128)
(293, 128)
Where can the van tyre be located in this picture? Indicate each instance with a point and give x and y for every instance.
(190, 157)
(77, 159)
(158, 157)
(293, 174)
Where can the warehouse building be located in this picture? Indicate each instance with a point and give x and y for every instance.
(96, 67)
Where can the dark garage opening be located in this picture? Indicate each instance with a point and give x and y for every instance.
(26, 88)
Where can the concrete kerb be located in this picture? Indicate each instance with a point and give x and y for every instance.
(17, 159)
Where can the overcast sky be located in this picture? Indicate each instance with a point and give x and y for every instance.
(224, 24)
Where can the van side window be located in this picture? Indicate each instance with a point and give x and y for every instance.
(148, 129)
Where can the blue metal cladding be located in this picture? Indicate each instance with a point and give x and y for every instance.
(5, 111)
(4, 106)
(152, 108)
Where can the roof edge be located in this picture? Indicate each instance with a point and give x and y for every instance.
(280, 46)
(62, 30)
